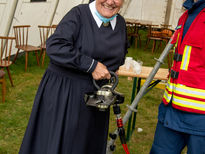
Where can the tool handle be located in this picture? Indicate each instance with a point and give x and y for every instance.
(111, 79)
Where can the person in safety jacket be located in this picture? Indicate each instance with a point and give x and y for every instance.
(181, 117)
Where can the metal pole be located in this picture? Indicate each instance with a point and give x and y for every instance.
(141, 92)
(11, 17)
(54, 12)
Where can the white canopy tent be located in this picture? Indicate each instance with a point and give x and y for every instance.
(48, 12)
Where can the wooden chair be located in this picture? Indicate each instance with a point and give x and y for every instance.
(6, 44)
(45, 32)
(133, 32)
(21, 34)
(155, 35)
(166, 34)
(53, 28)
(3, 82)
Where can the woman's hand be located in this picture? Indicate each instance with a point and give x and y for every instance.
(117, 72)
(101, 72)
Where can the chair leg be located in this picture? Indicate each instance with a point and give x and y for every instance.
(16, 56)
(26, 61)
(37, 58)
(147, 44)
(43, 58)
(7, 68)
(41, 53)
(154, 45)
(160, 44)
(3, 89)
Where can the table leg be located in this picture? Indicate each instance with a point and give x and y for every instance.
(130, 119)
(135, 114)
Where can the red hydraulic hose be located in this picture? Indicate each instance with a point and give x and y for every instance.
(121, 130)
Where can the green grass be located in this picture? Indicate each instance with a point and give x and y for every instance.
(15, 112)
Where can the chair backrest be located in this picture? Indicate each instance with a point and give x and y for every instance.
(21, 34)
(45, 32)
(132, 29)
(5, 47)
(53, 28)
(166, 32)
(153, 31)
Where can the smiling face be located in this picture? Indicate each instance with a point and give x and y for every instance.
(108, 8)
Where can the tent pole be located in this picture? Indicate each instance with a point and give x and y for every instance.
(126, 5)
(168, 12)
(54, 12)
(11, 17)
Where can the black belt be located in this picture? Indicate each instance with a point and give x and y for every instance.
(174, 74)
(177, 57)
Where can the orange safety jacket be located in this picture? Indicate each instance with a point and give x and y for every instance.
(186, 84)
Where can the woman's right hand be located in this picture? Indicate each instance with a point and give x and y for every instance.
(101, 72)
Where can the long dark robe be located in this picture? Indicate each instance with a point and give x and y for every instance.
(60, 122)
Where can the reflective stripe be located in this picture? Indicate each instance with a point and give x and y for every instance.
(178, 27)
(177, 41)
(170, 86)
(193, 104)
(186, 57)
(167, 96)
(187, 91)
(176, 44)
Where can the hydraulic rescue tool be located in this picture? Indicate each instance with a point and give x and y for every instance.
(103, 98)
(105, 95)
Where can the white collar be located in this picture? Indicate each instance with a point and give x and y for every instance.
(98, 21)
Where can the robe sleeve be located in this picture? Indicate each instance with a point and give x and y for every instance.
(61, 46)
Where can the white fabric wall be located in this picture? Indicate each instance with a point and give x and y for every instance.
(64, 6)
(176, 12)
(151, 10)
(7, 8)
